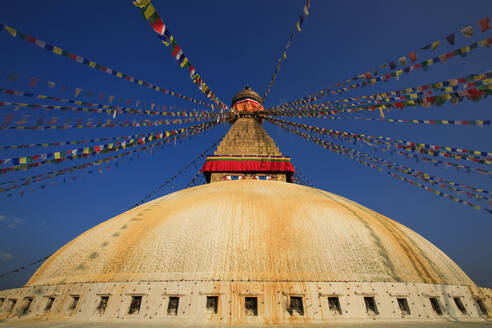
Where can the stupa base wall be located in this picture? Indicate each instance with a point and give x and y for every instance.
(246, 302)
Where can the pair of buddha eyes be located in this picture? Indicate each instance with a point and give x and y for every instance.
(242, 177)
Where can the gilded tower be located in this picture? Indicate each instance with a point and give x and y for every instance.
(247, 151)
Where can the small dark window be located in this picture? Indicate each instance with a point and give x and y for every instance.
(1, 301)
(73, 305)
(404, 307)
(459, 304)
(26, 305)
(103, 303)
(135, 305)
(172, 306)
(251, 306)
(212, 304)
(481, 306)
(296, 306)
(49, 304)
(13, 301)
(435, 305)
(334, 305)
(371, 307)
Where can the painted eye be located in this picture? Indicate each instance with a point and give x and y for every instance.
(233, 177)
(263, 177)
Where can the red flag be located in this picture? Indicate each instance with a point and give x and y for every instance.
(484, 24)
(412, 56)
(176, 50)
(34, 81)
(8, 118)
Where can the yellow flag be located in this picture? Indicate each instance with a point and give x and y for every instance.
(11, 30)
(298, 26)
(185, 61)
(149, 11)
(435, 44)
(57, 50)
(141, 3)
(22, 160)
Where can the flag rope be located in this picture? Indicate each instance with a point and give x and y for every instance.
(343, 151)
(44, 176)
(432, 160)
(194, 161)
(450, 85)
(305, 14)
(150, 14)
(476, 156)
(424, 65)
(97, 108)
(84, 61)
(474, 94)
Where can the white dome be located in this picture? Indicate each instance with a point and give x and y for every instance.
(250, 230)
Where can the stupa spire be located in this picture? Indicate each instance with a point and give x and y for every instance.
(247, 151)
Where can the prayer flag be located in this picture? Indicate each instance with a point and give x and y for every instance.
(51, 85)
(402, 61)
(426, 47)
(111, 98)
(77, 91)
(298, 26)
(392, 65)
(34, 81)
(306, 11)
(141, 3)
(157, 23)
(467, 32)
(435, 45)
(450, 39)
(412, 56)
(176, 49)
(149, 11)
(11, 30)
(484, 24)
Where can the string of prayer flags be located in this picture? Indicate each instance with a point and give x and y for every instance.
(186, 167)
(193, 181)
(150, 14)
(29, 162)
(27, 181)
(443, 58)
(300, 176)
(30, 179)
(109, 109)
(129, 141)
(99, 124)
(469, 81)
(84, 61)
(24, 267)
(354, 155)
(476, 156)
(283, 57)
(479, 123)
(474, 94)
(417, 156)
(69, 142)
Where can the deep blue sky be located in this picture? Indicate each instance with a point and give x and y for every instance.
(232, 43)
